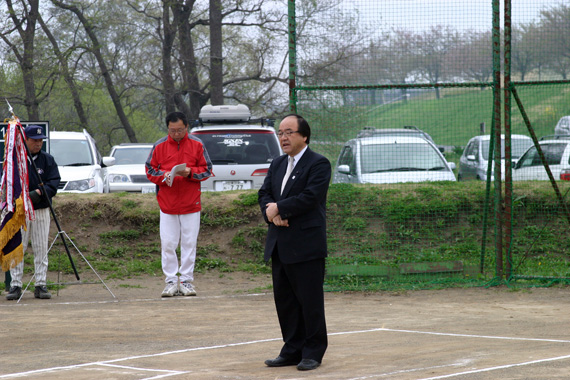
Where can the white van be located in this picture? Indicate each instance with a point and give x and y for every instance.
(240, 150)
(80, 164)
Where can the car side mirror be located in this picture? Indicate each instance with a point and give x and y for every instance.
(344, 169)
(471, 157)
(108, 161)
(451, 165)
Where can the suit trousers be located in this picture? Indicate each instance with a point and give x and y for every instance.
(299, 300)
(175, 229)
(38, 231)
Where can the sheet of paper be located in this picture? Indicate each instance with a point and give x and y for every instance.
(175, 171)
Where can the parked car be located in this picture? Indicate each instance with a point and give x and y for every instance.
(129, 172)
(557, 154)
(473, 163)
(240, 150)
(408, 130)
(80, 164)
(391, 159)
(563, 126)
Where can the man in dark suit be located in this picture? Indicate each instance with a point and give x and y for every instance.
(293, 203)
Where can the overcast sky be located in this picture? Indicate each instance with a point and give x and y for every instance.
(461, 14)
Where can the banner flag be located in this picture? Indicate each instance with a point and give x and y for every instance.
(15, 203)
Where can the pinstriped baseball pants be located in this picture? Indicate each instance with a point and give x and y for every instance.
(38, 232)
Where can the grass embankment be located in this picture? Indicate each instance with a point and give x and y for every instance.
(391, 230)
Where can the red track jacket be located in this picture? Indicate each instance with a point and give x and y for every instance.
(183, 197)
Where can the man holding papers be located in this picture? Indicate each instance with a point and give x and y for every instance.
(177, 164)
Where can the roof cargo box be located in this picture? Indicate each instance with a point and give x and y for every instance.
(237, 113)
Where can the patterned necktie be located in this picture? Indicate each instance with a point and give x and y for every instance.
(288, 173)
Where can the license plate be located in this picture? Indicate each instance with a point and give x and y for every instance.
(148, 189)
(232, 185)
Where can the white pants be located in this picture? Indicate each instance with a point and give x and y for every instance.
(175, 229)
(38, 232)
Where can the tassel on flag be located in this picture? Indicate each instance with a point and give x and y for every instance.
(15, 204)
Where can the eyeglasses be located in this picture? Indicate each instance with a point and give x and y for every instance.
(177, 130)
(286, 133)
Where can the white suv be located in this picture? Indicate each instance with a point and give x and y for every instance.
(240, 150)
(80, 164)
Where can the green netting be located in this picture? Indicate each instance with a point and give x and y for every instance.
(436, 71)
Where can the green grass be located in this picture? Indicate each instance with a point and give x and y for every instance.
(451, 120)
(377, 228)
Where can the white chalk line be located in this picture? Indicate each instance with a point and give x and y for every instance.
(480, 336)
(407, 371)
(506, 366)
(108, 362)
(166, 373)
(45, 304)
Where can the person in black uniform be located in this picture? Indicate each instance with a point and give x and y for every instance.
(38, 229)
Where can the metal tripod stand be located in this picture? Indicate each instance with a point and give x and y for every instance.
(60, 233)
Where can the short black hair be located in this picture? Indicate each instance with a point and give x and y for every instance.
(173, 117)
(302, 125)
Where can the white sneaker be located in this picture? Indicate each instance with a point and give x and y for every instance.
(170, 290)
(187, 289)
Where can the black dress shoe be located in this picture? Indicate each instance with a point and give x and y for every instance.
(280, 362)
(307, 365)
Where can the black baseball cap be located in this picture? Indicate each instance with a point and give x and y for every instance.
(34, 132)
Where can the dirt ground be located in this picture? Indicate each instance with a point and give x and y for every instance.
(230, 328)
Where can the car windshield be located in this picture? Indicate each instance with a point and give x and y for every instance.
(130, 156)
(71, 152)
(518, 147)
(239, 147)
(552, 152)
(377, 158)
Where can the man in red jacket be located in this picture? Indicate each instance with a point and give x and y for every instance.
(178, 196)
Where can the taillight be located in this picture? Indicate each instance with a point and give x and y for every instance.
(260, 172)
(565, 175)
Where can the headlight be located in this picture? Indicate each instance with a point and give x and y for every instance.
(81, 185)
(118, 178)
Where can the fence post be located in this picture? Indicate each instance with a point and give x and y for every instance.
(292, 56)
(497, 132)
(508, 213)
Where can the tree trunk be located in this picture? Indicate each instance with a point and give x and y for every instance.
(167, 45)
(26, 59)
(188, 64)
(67, 76)
(216, 59)
(89, 29)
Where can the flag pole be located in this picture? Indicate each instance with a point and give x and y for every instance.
(44, 193)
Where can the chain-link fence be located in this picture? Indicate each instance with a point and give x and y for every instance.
(407, 97)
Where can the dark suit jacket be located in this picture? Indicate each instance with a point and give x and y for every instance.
(303, 204)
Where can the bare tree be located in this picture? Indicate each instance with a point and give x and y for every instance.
(472, 60)
(556, 21)
(95, 49)
(67, 75)
(216, 59)
(433, 47)
(524, 57)
(24, 23)
(555, 41)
